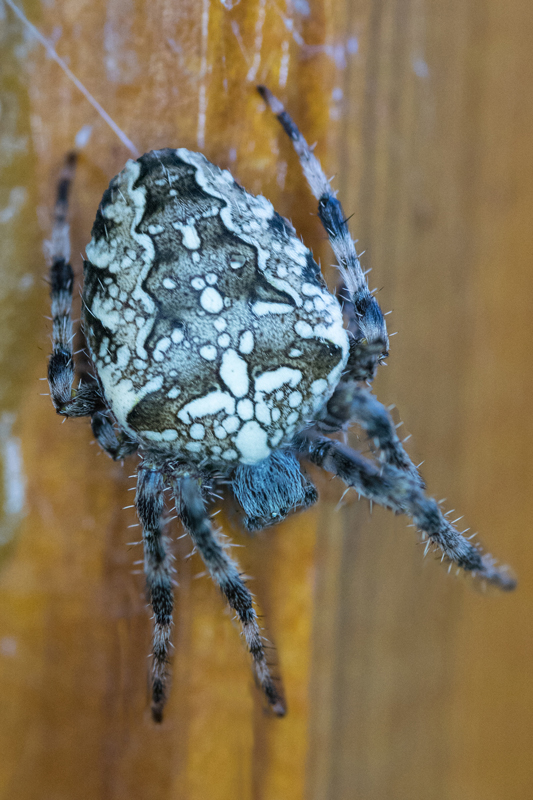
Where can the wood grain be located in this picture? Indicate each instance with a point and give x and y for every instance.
(401, 681)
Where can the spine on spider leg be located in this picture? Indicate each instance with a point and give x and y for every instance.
(366, 323)
(157, 568)
(396, 489)
(225, 572)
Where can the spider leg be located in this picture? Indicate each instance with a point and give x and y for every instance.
(157, 567)
(225, 572)
(353, 402)
(396, 489)
(117, 444)
(370, 342)
(84, 400)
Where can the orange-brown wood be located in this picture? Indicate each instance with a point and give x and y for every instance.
(401, 681)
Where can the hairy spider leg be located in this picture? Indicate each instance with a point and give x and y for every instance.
(87, 399)
(225, 572)
(370, 342)
(84, 400)
(115, 442)
(353, 402)
(350, 401)
(396, 489)
(158, 571)
(398, 484)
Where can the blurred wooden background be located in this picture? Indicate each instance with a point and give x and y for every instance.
(402, 682)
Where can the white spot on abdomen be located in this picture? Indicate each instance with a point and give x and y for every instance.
(245, 409)
(295, 399)
(165, 436)
(261, 308)
(209, 352)
(209, 404)
(190, 240)
(237, 261)
(197, 431)
(246, 344)
(231, 424)
(303, 329)
(161, 348)
(211, 301)
(252, 443)
(319, 386)
(270, 381)
(234, 373)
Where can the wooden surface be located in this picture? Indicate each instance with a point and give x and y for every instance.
(402, 682)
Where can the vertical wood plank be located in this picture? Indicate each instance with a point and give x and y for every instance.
(420, 698)
(168, 74)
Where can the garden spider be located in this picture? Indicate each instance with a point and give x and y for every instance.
(220, 356)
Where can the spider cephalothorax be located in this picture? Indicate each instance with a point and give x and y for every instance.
(220, 354)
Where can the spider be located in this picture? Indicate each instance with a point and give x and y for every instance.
(220, 357)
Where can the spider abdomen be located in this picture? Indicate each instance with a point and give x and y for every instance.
(209, 324)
